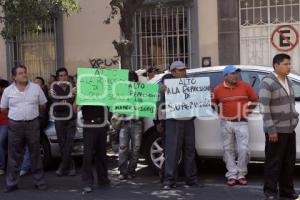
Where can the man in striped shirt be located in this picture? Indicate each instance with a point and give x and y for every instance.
(233, 98)
(280, 120)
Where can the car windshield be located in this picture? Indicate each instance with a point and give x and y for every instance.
(215, 77)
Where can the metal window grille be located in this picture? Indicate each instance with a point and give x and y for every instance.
(261, 12)
(258, 19)
(161, 36)
(37, 51)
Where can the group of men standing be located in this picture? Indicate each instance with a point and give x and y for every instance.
(25, 104)
(277, 103)
(234, 100)
(23, 101)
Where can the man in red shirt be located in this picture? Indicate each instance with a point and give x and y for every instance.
(233, 98)
(3, 131)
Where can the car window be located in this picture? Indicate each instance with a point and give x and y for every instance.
(215, 77)
(253, 78)
(296, 87)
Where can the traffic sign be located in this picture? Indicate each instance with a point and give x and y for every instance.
(285, 38)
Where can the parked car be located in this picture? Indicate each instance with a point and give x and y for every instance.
(207, 129)
(49, 143)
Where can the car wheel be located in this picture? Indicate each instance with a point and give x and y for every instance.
(154, 151)
(45, 153)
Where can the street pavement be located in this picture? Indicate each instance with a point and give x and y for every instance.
(145, 186)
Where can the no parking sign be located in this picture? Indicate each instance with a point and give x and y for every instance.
(285, 38)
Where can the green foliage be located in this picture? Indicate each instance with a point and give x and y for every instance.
(17, 13)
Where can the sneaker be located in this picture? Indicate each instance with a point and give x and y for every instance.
(87, 189)
(190, 184)
(169, 187)
(270, 197)
(231, 182)
(72, 172)
(291, 196)
(131, 176)
(243, 181)
(122, 177)
(23, 172)
(41, 187)
(60, 172)
(10, 189)
(2, 172)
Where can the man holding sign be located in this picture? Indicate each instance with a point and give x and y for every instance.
(130, 138)
(178, 132)
(233, 98)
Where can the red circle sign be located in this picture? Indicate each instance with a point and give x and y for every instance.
(285, 38)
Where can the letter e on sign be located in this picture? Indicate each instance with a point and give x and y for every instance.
(285, 38)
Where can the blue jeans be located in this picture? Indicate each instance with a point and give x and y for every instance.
(26, 163)
(130, 133)
(3, 146)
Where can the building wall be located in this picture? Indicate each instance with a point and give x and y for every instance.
(87, 37)
(208, 30)
(3, 65)
(229, 36)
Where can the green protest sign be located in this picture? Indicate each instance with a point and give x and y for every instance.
(112, 88)
(97, 86)
(141, 100)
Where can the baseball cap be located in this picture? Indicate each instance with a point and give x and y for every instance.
(152, 69)
(177, 65)
(229, 69)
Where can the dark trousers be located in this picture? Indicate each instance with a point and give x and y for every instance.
(65, 130)
(179, 140)
(19, 134)
(279, 164)
(94, 149)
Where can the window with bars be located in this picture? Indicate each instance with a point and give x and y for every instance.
(161, 36)
(261, 12)
(259, 19)
(37, 51)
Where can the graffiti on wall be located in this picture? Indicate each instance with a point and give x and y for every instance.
(113, 62)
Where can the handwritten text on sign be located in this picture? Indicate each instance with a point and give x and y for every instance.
(188, 97)
(98, 86)
(141, 101)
